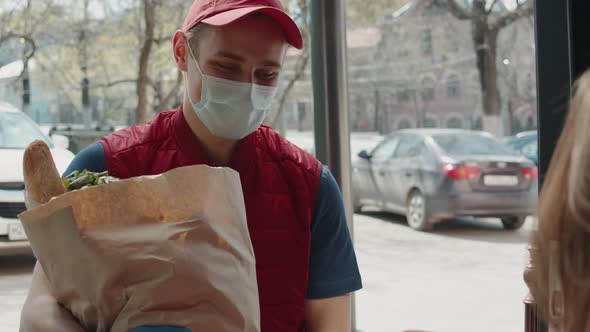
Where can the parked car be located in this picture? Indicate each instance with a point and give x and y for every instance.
(17, 130)
(358, 141)
(431, 175)
(526, 144)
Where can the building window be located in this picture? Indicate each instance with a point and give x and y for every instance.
(453, 86)
(399, 42)
(477, 124)
(452, 39)
(427, 89)
(430, 122)
(403, 91)
(517, 126)
(404, 124)
(427, 42)
(530, 123)
(404, 50)
(455, 123)
(434, 10)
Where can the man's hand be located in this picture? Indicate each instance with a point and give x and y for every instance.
(328, 315)
(41, 312)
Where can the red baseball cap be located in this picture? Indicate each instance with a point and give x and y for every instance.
(222, 12)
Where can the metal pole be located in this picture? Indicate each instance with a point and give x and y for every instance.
(330, 92)
(554, 74)
(86, 116)
(26, 96)
(554, 78)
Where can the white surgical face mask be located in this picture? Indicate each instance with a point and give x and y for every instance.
(230, 109)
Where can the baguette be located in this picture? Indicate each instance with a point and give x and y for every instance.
(42, 180)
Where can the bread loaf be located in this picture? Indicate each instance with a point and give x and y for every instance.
(42, 180)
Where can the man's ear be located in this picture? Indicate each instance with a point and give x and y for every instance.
(180, 51)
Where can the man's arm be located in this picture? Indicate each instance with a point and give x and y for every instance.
(333, 269)
(41, 312)
(328, 315)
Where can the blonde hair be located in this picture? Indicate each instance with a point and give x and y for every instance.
(560, 280)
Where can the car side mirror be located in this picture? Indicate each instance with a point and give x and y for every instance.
(364, 155)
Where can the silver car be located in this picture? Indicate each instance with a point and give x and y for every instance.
(430, 175)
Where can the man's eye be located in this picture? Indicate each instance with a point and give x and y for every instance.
(225, 67)
(267, 74)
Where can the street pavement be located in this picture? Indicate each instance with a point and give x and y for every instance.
(465, 276)
(15, 277)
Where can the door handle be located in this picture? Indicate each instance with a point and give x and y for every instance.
(408, 174)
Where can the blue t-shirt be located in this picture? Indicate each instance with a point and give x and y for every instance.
(333, 268)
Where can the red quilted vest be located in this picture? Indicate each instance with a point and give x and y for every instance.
(280, 184)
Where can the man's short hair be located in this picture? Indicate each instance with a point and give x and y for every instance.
(198, 31)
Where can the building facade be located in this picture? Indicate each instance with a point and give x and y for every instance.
(417, 68)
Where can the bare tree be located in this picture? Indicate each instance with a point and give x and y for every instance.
(15, 27)
(121, 49)
(300, 63)
(363, 13)
(29, 48)
(486, 24)
(149, 11)
(157, 35)
(168, 21)
(164, 100)
(300, 67)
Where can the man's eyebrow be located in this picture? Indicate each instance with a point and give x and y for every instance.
(274, 64)
(229, 55)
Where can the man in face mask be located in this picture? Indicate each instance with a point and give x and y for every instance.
(231, 54)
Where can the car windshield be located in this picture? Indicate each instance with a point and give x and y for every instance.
(17, 131)
(471, 144)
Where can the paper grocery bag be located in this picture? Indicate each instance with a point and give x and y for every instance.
(165, 250)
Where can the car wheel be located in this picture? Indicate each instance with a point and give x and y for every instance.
(417, 212)
(513, 223)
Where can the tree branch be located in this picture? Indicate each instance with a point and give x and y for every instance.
(521, 11)
(161, 40)
(461, 13)
(113, 83)
(14, 35)
(299, 72)
(456, 10)
(68, 83)
(300, 65)
(31, 47)
(149, 9)
(166, 100)
(489, 11)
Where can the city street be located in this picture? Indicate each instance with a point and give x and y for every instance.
(15, 276)
(466, 276)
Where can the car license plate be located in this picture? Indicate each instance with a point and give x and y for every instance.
(16, 232)
(500, 180)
